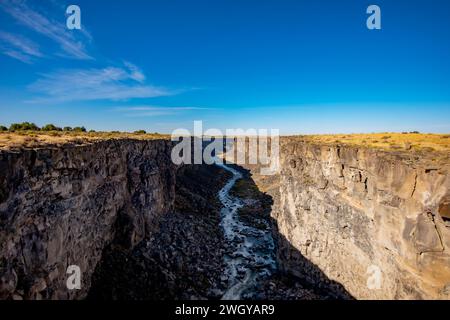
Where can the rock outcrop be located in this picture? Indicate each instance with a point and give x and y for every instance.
(59, 207)
(182, 259)
(375, 221)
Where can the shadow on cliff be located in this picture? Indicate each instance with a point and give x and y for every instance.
(183, 257)
(296, 276)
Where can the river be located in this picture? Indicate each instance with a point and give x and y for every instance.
(250, 251)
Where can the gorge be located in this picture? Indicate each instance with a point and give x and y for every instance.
(140, 227)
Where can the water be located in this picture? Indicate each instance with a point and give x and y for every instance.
(250, 256)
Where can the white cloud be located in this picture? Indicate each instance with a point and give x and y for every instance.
(18, 47)
(111, 83)
(50, 28)
(16, 55)
(136, 73)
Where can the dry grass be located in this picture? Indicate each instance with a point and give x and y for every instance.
(35, 139)
(388, 141)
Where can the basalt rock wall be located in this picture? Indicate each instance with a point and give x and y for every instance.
(62, 206)
(375, 221)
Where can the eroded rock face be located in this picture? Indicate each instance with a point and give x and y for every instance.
(341, 216)
(359, 212)
(58, 207)
(183, 258)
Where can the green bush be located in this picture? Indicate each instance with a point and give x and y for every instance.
(67, 129)
(79, 129)
(3, 128)
(50, 127)
(140, 132)
(23, 126)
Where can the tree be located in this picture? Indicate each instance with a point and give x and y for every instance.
(23, 126)
(67, 129)
(140, 132)
(3, 128)
(50, 127)
(79, 129)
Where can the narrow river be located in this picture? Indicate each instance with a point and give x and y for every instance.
(250, 251)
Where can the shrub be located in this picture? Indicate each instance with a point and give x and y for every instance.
(415, 132)
(23, 126)
(92, 131)
(140, 132)
(50, 127)
(67, 129)
(79, 129)
(3, 128)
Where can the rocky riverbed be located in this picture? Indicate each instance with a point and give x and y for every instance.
(183, 259)
(218, 244)
(251, 268)
(250, 255)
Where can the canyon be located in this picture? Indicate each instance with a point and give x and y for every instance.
(350, 210)
(141, 227)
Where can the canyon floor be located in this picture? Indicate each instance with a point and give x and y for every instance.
(192, 255)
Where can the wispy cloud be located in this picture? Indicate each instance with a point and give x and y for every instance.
(18, 47)
(111, 83)
(127, 81)
(135, 72)
(153, 111)
(53, 29)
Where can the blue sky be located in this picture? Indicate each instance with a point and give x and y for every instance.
(297, 66)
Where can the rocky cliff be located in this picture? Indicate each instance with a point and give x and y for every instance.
(350, 221)
(375, 221)
(182, 259)
(62, 206)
